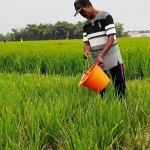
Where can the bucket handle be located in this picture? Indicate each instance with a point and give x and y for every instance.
(87, 64)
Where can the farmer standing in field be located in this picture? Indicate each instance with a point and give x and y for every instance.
(99, 36)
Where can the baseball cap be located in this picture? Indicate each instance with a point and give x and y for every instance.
(79, 4)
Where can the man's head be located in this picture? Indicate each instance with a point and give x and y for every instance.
(83, 7)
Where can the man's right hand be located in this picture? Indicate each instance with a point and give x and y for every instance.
(86, 55)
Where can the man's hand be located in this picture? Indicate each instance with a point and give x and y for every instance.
(99, 60)
(87, 49)
(86, 55)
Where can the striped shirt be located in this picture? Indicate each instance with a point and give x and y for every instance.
(96, 31)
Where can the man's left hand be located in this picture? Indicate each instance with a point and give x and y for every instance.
(99, 60)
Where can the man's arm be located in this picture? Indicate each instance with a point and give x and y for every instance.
(107, 46)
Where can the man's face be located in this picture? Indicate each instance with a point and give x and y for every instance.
(85, 12)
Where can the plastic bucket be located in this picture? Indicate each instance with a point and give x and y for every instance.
(94, 79)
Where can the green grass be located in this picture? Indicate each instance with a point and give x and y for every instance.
(65, 57)
(38, 112)
(42, 107)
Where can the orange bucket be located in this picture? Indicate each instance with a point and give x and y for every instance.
(94, 79)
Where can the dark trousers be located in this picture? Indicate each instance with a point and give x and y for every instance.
(118, 78)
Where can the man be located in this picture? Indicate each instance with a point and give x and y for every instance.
(100, 39)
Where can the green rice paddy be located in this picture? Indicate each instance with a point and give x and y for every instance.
(42, 107)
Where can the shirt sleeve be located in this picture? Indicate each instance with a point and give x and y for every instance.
(85, 38)
(109, 25)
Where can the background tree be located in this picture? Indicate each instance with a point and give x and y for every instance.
(16, 34)
(60, 30)
(2, 37)
(144, 31)
(78, 29)
(125, 34)
(119, 29)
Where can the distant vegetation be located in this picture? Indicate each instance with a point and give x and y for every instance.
(60, 30)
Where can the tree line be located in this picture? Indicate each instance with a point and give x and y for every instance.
(60, 30)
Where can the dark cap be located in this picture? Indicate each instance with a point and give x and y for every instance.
(78, 4)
